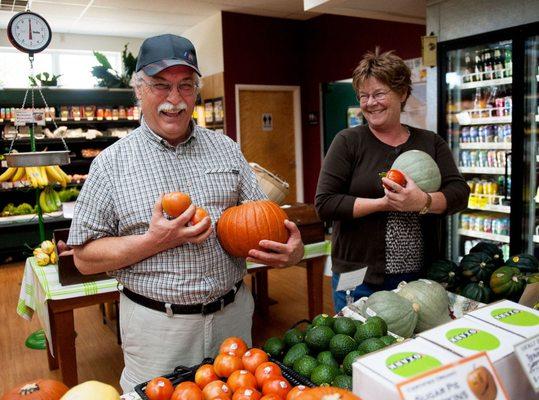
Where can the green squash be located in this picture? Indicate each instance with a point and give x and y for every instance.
(399, 314)
(527, 263)
(507, 282)
(420, 166)
(492, 250)
(477, 291)
(477, 266)
(432, 300)
(445, 272)
(532, 278)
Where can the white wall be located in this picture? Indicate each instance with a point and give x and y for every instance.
(207, 37)
(452, 19)
(68, 41)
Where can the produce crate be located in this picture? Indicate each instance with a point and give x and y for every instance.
(182, 374)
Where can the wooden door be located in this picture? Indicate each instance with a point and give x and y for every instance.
(267, 133)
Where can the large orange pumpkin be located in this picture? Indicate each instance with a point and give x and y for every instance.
(242, 227)
(327, 393)
(40, 389)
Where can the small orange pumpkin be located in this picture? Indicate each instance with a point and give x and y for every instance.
(242, 227)
(40, 389)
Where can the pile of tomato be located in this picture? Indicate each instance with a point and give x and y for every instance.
(237, 373)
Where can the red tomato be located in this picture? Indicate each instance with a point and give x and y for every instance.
(241, 378)
(159, 388)
(198, 216)
(175, 203)
(396, 176)
(253, 358)
(246, 393)
(295, 392)
(204, 375)
(266, 371)
(187, 391)
(215, 389)
(225, 364)
(233, 345)
(278, 386)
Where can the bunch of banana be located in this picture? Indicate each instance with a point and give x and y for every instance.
(13, 174)
(55, 174)
(49, 201)
(37, 176)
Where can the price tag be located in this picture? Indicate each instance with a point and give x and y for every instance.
(349, 280)
(469, 378)
(528, 354)
(25, 116)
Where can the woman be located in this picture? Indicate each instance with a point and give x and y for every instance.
(394, 233)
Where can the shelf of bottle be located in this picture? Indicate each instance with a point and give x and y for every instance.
(486, 146)
(464, 118)
(487, 83)
(30, 219)
(484, 235)
(483, 170)
(82, 121)
(485, 202)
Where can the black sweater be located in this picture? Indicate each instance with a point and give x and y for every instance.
(350, 170)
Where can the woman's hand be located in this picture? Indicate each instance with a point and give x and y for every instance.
(167, 234)
(280, 254)
(409, 198)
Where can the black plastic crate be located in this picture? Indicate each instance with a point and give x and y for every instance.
(182, 374)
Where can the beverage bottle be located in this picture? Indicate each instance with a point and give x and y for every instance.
(478, 67)
(508, 105)
(465, 134)
(477, 103)
(508, 62)
(498, 64)
(474, 134)
(488, 65)
(468, 68)
(491, 101)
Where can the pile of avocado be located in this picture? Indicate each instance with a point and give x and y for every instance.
(326, 350)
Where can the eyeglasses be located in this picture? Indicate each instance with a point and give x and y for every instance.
(377, 96)
(162, 89)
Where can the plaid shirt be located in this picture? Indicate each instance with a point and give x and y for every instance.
(118, 197)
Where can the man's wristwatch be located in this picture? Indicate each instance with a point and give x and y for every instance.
(426, 207)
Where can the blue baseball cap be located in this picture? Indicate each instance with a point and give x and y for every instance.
(160, 52)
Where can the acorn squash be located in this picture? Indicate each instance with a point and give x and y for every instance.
(532, 278)
(527, 263)
(477, 266)
(507, 282)
(445, 272)
(432, 300)
(492, 250)
(399, 313)
(421, 167)
(477, 291)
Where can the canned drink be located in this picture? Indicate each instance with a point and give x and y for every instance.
(487, 225)
(465, 221)
(500, 157)
(491, 158)
(474, 158)
(495, 226)
(479, 223)
(474, 134)
(465, 158)
(465, 134)
(482, 159)
(489, 134)
(507, 133)
(508, 105)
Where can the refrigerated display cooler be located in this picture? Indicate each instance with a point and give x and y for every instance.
(487, 112)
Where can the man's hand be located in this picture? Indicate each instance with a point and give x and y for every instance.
(63, 248)
(167, 234)
(409, 198)
(280, 254)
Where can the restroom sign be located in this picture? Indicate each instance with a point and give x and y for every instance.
(267, 122)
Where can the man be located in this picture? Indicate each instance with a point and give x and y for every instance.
(182, 293)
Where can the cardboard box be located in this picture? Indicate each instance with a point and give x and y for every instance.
(510, 316)
(466, 336)
(376, 375)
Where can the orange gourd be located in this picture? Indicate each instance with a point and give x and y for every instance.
(40, 389)
(242, 227)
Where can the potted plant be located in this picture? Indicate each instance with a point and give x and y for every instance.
(108, 77)
(44, 79)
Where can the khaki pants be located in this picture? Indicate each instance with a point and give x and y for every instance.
(154, 344)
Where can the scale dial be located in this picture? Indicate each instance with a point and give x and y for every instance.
(29, 32)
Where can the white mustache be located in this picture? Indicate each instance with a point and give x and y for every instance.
(169, 107)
